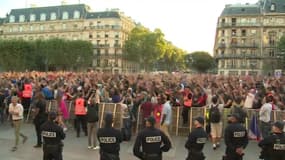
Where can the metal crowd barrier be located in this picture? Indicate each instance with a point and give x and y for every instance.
(177, 128)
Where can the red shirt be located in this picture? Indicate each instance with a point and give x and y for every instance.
(146, 109)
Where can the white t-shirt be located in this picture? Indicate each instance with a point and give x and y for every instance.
(166, 110)
(249, 100)
(265, 112)
(18, 108)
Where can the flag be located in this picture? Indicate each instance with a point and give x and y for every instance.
(254, 133)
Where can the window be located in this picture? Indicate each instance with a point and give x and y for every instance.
(98, 62)
(253, 52)
(63, 26)
(53, 16)
(234, 41)
(32, 17)
(243, 20)
(106, 35)
(22, 18)
(20, 29)
(243, 32)
(253, 20)
(234, 21)
(43, 17)
(11, 19)
(271, 53)
(234, 51)
(90, 35)
(65, 15)
(98, 52)
(253, 31)
(98, 42)
(273, 7)
(76, 15)
(234, 32)
(106, 52)
(243, 41)
(42, 27)
(223, 33)
(31, 28)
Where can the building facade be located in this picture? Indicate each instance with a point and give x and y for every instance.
(247, 36)
(107, 31)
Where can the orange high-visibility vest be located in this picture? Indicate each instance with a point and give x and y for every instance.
(187, 101)
(28, 91)
(79, 107)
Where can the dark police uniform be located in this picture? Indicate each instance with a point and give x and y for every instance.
(195, 144)
(109, 139)
(273, 147)
(52, 136)
(151, 139)
(235, 137)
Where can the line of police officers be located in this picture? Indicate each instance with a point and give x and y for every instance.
(151, 142)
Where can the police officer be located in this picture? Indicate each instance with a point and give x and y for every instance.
(151, 140)
(273, 146)
(109, 139)
(52, 136)
(235, 139)
(196, 140)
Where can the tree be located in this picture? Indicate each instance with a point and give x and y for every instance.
(151, 50)
(20, 55)
(144, 46)
(201, 61)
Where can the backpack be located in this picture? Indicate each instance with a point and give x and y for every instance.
(215, 114)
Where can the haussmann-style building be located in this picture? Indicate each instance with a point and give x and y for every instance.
(106, 30)
(247, 36)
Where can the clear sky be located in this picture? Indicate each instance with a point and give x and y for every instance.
(188, 24)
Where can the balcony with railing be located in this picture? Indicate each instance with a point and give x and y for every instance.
(220, 25)
(239, 56)
(244, 45)
(101, 45)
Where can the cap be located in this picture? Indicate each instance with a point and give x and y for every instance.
(52, 115)
(151, 120)
(108, 118)
(279, 125)
(200, 120)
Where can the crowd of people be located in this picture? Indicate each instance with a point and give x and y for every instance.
(155, 93)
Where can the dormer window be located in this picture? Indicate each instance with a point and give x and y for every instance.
(43, 17)
(273, 7)
(76, 15)
(32, 17)
(11, 19)
(53, 16)
(22, 18)
(65, 15)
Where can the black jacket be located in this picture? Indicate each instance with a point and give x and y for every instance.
(235, 137)
(151, 140)
(52, 133)
(109, 139)
(92, 113)
(196, 140)
(273, 147)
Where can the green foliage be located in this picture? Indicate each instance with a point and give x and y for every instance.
(201, 61)
(19, 55)
(151, 50)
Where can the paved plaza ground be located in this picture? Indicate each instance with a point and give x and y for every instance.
(76, 148)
